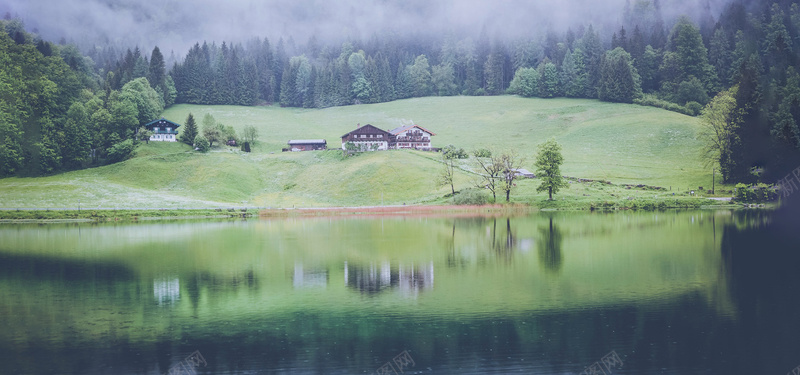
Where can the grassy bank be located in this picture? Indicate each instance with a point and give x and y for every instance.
(615, 143)
(121, 214)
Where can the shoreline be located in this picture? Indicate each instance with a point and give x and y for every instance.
(67, 215)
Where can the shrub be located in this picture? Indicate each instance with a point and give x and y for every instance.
(121, 151)
(651, 100)
(450, 152)
(246, 146)
(755, 194)
(201, 143)
(482, 153)
(694, 108)
(471, 197)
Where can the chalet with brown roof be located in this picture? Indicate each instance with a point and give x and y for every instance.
(368, 138)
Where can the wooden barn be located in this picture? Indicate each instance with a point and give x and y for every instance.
(307, 144)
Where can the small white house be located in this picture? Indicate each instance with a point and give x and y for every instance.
(163, 130)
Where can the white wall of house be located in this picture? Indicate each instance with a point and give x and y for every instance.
(367, 144)
(163, 138)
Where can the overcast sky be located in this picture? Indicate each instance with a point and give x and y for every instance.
(176, 25)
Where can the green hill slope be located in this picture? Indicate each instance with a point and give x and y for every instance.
(615, 142)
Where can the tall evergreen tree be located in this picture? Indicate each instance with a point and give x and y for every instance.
(157, 71)
(619, 80)
(593, 53)
(189, 131)
(573, 74)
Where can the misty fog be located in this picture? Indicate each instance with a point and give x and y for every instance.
(176, 25)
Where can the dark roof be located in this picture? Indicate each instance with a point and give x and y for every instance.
(307, 141)
(401, 129)
(367, 129)
(162, 122)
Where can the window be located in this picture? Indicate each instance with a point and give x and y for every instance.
(380, 135)
(155, 130)
(169, 129)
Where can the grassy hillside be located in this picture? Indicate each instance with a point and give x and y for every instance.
(616, 142)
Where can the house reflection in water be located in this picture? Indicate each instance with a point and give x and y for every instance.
(309, 278)
(373, 278)
(166, 290)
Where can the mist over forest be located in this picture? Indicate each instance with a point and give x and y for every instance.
(176, 25)
(85, 75)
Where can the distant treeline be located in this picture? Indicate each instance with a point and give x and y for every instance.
(680, 67)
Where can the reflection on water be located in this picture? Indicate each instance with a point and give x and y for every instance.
(551, 293)
(408, 279)
(309, 278)
(166, 290)
(549, 247)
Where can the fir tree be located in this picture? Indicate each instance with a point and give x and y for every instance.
(189, 131)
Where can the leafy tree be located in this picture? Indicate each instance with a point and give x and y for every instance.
(144, 134)
(124, 115)
(250, 134)
(691, 91)
(228, 133)
(548, 80)
(189, 131)
(121, 151)
(201, 143)
(720, 121)
(443, 80)
(77, 143)
(548, 167)
(421, 76)
(362, 90)
(212, 134)
(525, 83)
(147, 101)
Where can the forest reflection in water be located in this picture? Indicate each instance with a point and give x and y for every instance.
(671, 292)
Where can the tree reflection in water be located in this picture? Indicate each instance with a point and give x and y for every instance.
(549, 248)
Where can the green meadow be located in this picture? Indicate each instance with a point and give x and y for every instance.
(618, 143)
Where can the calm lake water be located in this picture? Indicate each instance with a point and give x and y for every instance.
(688, 292)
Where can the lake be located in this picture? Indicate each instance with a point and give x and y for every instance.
(670, 292)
